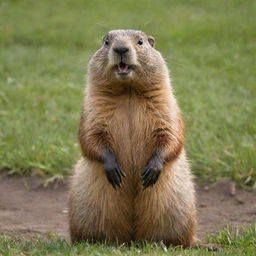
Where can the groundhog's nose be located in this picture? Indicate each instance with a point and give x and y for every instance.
(121, 50)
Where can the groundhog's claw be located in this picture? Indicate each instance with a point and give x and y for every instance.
(112, 169)
(152, 171)
(114, 174)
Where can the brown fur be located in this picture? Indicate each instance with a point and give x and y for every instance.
(134, 117)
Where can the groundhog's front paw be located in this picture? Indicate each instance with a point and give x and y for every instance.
(112, 168)
(152, 171)
(114, 172)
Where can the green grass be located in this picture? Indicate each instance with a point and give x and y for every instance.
(229, 243)
(210, 47)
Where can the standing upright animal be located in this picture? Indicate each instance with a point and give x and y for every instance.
(133, 181)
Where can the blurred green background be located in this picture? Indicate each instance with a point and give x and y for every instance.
(210, 47)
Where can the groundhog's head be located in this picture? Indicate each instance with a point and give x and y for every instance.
(127, 56)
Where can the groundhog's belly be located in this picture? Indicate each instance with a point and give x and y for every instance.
(130, 129)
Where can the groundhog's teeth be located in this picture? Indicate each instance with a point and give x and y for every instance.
(122, 67)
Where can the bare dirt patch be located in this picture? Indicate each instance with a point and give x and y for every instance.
(28, 208)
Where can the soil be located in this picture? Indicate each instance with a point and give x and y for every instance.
(28, 208)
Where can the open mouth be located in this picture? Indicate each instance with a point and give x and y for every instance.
(123, 68)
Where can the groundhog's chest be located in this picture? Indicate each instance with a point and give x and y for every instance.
(130, 127)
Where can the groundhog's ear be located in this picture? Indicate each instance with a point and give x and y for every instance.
(151, 40)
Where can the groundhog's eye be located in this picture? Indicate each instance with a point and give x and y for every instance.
(106, 41)
(140, 42)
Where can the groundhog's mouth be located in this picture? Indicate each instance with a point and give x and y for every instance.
(123, 68)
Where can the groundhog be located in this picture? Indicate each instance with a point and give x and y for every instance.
(133, 181)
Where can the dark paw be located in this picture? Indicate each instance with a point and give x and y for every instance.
(112, 169)
(152, 171)
(114, 173)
